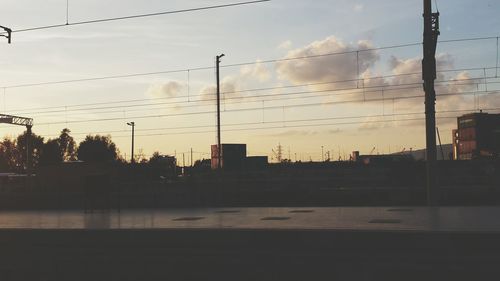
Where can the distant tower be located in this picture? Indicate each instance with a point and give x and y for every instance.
(279, 153)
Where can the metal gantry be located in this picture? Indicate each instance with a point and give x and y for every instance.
(16, 120)
(28, 123)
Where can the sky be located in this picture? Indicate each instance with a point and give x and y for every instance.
(361, 100)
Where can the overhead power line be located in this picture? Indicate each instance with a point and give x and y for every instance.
(255, 98)
(34, 84)
(65, 108)
(281, 97)
(283, 127)
(254, 108)
(138, 16)
(249, 123)
(265, 97)
(283, 122)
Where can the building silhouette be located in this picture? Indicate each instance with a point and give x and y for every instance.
(477, 136)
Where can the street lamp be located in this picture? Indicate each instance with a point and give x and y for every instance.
(132, 160)
(9, 33)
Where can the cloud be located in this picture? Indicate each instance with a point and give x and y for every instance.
(404, 79)
(169, 89)
(294, 133)
(372, 124)
(305, 133)
(356, 72)
(330, 68)
(447, 86)
(334, 131)
(230, 85)
(256, 71)
(285, 45)
(358, 7)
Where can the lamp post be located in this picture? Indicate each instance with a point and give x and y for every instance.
(132, 124)
(9, 33)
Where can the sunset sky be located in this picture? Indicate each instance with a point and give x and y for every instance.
(268, 97)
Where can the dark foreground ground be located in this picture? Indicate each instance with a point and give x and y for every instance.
(253, 244)
(75, 186)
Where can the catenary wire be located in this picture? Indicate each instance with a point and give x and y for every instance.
(29, 110)
(229, 65)
(280, 97)
(246, 109)
(137, 16)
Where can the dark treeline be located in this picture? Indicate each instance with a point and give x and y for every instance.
(95, 148)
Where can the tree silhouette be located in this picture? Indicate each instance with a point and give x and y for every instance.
(67, 145)
(36, 144)
(97, 149)
(140, 157)
(155, 157)
(58, 150)
(9, 156)
(51, 153)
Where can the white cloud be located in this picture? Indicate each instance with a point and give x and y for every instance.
(169, 89)
(449, 87)
(230, 85)
(445, 84)
(358, 7)
(258, 71)
(285, 45)
(327, 68)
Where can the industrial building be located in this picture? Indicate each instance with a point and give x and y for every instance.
(477, 136)
(234, 157)
(381, 159)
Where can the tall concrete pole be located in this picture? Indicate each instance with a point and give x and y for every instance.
(219, 147)
(431, 32)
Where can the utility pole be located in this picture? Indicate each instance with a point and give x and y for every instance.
(280, 153)
(191, 157)
(132, 160)
(440, 144)
(29, 152)
(219, 147)
(431, 33)
(322, 154)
